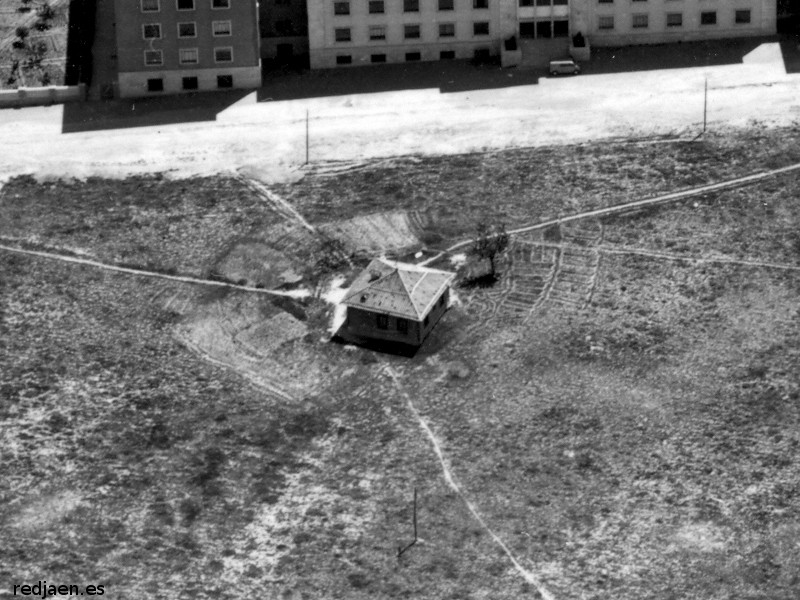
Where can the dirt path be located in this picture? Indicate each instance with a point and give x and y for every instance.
(527, 575)
(618, 209)
(143, 273)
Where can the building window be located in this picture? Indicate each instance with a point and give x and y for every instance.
(382, 321)
(190, 83)
(526, 2)
(446, 5)
(151, 31)
(641, 21)
(185, 4)
(153, 58)
(542, 2)
(708, 17)
(411, 32)
(674, 19)
(223, 55)
(560, 2)
(344, 59)
(376, 7)
(342, 34)
(481, 54)
(187, 30)
(447, 55)
(221, 28)
(224, 81)
(447, 29)
(481, 28)
(155, 85)
(377, 32)
(480, 3)
(150, 6)
(413, 56)
(606, 1)
(219, 4)
(561, 28)
(742, 17)
(188, 56)
(410, 5)
(377, 58)
(341, 8)
(606, 22)
(402, 326)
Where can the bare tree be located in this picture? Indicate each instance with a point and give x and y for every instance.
(489, 243)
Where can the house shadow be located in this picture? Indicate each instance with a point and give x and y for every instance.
(345, 338)
(147, 112)
(679, 55)
(446, 76)
(790, 49)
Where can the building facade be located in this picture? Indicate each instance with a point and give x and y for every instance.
(358, 32)
(284, 31)
(173, 46)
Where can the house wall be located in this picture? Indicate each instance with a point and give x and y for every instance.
(245, 68)
(587, 16)
(324, 49)
(364, 323)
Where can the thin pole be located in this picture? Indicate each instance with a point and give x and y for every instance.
(306, 136)
(705, 106)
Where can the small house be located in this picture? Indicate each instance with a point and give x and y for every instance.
(396, 302)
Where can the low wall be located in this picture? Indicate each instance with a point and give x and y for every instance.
(42, 96)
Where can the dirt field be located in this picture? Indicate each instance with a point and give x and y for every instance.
(620, 411)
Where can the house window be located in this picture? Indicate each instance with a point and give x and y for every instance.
(151, 31)
(411, 32)
(606, 1)
(480, 3)
(190, 83)
(446, 5)
(376, 7)
(187, 30)
(402, 326)
(344, 59)
(480, 28)
(382, 322)
(447, 55)
(708, 17)
(224, 81)
(542, 2)
(150, 6)
(606, 22)
(219, 4)
(742, 17)
(641, 21)
(185, 4)
(221, 28)
(188, 56)
(155, 85)
(526, 2)
(341, 8)
(223, 55)
(561, 28)
(674, 19)
(377, 58)
(410, 5)
(377, 32)
(447, 29)
(413, 56)
(153, 58)
(342, 34)
(560, 2)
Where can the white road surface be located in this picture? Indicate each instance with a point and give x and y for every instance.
(267, 139)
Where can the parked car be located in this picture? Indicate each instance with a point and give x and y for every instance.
(566, 66)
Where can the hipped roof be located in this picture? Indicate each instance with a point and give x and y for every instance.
(398, 289)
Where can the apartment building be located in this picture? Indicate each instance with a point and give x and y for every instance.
(172, 46)
(358, 32)
(626, 22)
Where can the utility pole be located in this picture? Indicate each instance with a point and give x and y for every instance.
(705, 106)
(306, 136)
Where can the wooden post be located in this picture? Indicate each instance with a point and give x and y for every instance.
(401, 549)
(306, 136)
(705, 106)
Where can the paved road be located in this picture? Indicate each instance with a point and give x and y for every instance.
(267, 139)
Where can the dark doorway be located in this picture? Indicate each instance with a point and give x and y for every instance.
(543, 29)
(285, 52)
(527, 29)
(561, 28)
